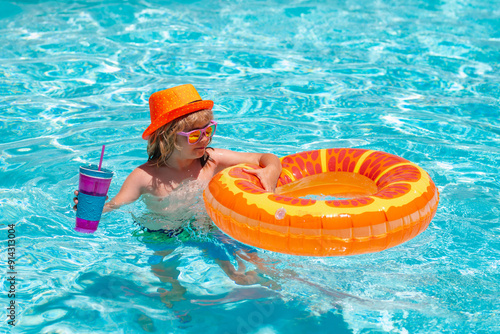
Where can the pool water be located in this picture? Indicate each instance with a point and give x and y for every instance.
(416, 78)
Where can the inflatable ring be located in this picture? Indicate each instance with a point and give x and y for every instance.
(379, 201)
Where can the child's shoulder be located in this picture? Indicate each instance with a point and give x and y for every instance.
(226, 158)
(144, 172)
(219, 155)
(219, 152)
(147, 168)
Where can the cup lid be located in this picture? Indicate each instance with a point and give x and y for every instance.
(93, 170)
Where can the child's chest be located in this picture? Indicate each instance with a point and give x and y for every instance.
(166, 181)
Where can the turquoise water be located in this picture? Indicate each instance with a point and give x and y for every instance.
(419, 79)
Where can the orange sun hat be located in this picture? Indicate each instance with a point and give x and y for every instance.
(169, 104)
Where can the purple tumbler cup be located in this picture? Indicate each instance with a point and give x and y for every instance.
(92, 191)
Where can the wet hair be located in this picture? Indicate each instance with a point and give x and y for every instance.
(161, 143)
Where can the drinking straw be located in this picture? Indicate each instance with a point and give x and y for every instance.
(102, 155)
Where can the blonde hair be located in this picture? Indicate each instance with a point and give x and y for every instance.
(161, 143)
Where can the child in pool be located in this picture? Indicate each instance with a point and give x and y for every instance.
(181, 129)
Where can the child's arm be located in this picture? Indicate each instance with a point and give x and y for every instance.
(133, 187)
(270, 163)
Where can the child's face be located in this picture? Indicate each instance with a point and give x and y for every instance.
(196, 150)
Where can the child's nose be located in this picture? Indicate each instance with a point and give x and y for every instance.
(204, 139)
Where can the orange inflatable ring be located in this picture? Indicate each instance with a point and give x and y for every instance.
(384, 201)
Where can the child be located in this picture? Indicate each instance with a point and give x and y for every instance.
(181, 128)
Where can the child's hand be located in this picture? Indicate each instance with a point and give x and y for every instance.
(268, 177)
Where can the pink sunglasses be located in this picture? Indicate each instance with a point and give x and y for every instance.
(195, 136)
